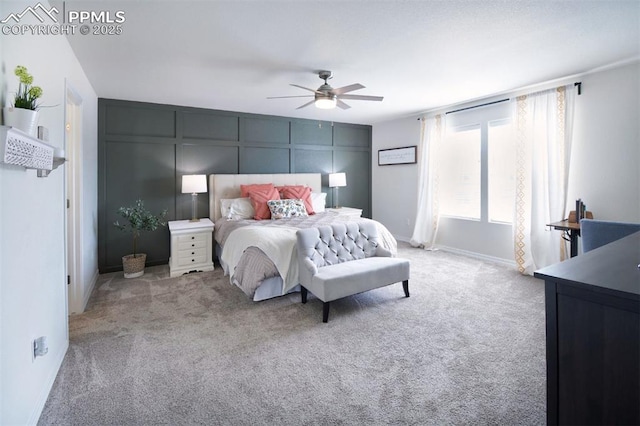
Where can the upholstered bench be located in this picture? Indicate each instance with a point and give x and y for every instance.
(344, 259)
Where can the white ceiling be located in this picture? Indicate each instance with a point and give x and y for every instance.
(419, 55)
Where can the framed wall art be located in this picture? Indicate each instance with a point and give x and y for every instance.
(391, 156)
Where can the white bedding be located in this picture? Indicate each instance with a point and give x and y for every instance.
(255, 251)
(278, 242)
(258, 268)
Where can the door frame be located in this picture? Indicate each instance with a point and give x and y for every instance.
(73, 198)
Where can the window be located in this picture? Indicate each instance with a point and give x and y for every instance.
(477, 167)
(460, 174)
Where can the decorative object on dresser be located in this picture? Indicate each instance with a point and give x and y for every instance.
(23, 114)
(194, 184)
(191, 246)
(343, 259)
(138, 219)
(336, 180)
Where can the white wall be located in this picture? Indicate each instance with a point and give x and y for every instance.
(395, 190)
(32, 227)
(605, 163)
(605, 160)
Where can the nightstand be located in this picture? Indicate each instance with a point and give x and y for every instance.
(191, 246)
(350, 212)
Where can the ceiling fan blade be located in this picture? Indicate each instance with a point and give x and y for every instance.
(282, 97)
(307, 104)
(342, 104)
(305, 88)
(349, 88)
(362, 97)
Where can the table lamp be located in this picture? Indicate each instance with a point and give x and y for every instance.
(336, 180)
(194, 184)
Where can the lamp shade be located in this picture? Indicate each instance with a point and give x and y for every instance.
(193, 184)
(337, 179)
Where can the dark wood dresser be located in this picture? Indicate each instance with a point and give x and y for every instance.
(593, 336)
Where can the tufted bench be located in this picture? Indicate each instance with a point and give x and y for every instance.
(344, 259)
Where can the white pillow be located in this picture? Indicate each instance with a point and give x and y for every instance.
(318, 201)
(237, 208)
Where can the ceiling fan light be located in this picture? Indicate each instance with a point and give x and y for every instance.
(326, 103)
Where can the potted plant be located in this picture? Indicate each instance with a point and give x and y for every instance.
(138, 219)
(23, 114)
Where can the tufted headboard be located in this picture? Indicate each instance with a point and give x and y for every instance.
(228, 186)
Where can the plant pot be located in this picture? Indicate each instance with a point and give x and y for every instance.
(22, 119)
(134, 266)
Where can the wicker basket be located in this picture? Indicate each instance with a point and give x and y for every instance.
(134, 266)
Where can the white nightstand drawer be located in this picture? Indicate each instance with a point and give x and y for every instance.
(192, 260)
(192, 237)
(193, 252)
(186, 245)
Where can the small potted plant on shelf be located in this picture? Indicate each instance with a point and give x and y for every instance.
(23, 114)
(138, 219)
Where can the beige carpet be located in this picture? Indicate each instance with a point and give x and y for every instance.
(466, 348)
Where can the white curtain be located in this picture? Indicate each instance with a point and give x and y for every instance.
(544, 124)
(426, 228)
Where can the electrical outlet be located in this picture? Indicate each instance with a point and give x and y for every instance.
(40, 347)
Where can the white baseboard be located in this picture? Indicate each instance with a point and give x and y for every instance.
(48, 384)
(480, 256)
(87, 294)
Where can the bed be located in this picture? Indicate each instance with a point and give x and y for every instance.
(260, 256)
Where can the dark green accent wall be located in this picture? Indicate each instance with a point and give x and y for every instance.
(144, 149)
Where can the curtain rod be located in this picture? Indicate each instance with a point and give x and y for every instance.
(577, 84)
(478, 106)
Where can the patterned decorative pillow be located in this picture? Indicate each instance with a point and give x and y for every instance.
(297, 192)
(259, 198)
(246, 189)
(287, 208)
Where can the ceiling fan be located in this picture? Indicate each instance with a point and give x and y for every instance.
(326, 97)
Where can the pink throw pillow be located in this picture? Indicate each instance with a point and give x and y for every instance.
(246, 189)
(259, 198)
(298, 192)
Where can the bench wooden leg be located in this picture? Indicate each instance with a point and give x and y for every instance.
(405, 286)
(325, 311)
(303, 294)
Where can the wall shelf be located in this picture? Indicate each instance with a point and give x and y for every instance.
(19, 148)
